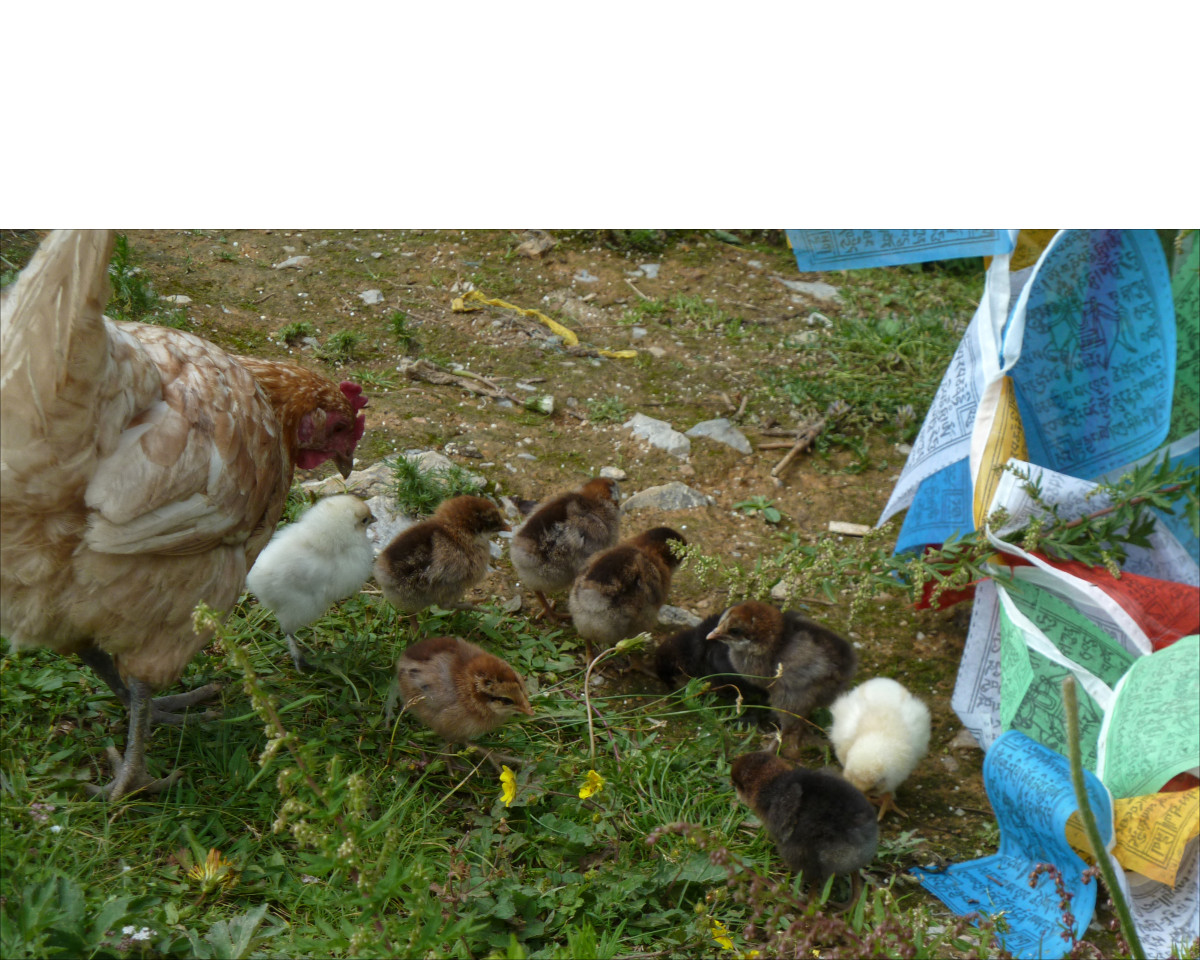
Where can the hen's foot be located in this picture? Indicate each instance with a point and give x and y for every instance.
(129, 776)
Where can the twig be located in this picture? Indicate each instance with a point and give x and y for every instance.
(807, 435)
(776, 445)
(741, 407)
(261, 299)
(636, 290)
(1070, 702)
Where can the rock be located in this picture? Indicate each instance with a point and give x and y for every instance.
(376, 256)
(650, 270)
(430, 461)
(511, 606)
(964, 740)
(536, 245)
(613, 473)
(638, 332)
(176, 298)
(453, 449)
(390, 521)
(526, 456)
(814, 288)
(294, 262)
(723, 431)
(670, 616)
(311, 342)
(371, 297)
(781, 591)
(372, 481)
(949, 763)
(659, 433)
(656, 352)
(903, 449)
(849, 529)
(756, 264)
(669, 496)
(585, 276)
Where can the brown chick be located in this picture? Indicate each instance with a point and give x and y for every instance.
(803, 664)
(622, 589)
(822, 826)
(555, 543)
(458, 690)
(439, 559)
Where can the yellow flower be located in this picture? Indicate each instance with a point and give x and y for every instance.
(214, 873)
(720, 934)
(592, 785)
(508, 785)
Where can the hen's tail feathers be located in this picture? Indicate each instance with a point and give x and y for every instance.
(51, 311)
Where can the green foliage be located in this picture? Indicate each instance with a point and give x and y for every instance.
(341, 347)
(293, 332)
(607, 410)
(418, 492)
(402, 330)
(133, 296)
(762, 506)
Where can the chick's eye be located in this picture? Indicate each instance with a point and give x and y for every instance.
(508, 700)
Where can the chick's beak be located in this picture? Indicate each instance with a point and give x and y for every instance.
(527, 710)
(345, 464)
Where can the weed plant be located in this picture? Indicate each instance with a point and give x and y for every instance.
(418, 492)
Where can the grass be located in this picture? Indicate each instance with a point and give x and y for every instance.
(418, 492)
(350, 835)
(607, 410)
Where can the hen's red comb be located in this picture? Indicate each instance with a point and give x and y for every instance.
(352, 391)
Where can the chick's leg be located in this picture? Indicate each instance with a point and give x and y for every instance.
(548, 609)
(129, 771)
(302, 663)
(887, 802)
(162, 709)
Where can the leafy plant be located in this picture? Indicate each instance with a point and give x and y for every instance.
(607, 410)
(293, 332)
(402, 330)
(418, 492)
(132, 293)
(341, 347)
(762, 506)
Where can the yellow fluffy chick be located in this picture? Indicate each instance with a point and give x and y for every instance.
(880, 733)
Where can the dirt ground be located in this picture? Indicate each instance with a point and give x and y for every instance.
(692, 364)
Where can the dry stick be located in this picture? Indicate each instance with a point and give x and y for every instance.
(1128, 929)
(808, 434)
(636, 290)
(741, 407)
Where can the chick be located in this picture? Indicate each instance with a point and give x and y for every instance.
(554, 544)
(323, 557)
(802, 664)
(822, 826)
(880, 733)
(689, 653)
(439, 559)
(622, 589)
(458, 690)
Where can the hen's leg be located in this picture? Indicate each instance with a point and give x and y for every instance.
(130, 771)
(162, 709)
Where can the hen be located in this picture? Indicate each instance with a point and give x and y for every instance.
(880, 733)
(822, 826)
(623, 588)
(556, 541)
(802, 664)
(323, 557)
(142, 469)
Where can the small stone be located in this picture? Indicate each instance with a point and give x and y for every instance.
(176, 298)
(638, 332)
(371, 297)
(511, 606)
(526, 456)
(505, 404)
(756, 264)
(670, 616)
(815, 289)
(668, 496)
(650, 270)
(376, 256)
(656, 352)
(613, 473)
(722, 431)
(949, 763)
(903, 449)
(964, 740)
(294, 262)
(534, 247)
(781, 591)
(659, 433)
(585, 276)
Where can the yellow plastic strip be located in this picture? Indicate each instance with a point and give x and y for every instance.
(1152, 832)
(460, 305)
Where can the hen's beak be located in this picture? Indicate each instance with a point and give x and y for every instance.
(345, 464)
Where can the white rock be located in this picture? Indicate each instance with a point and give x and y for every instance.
(723, 431)
(371, 297)
(849, 529)
(176, 298)
(613, 473)
(650, 270)
(659, 433)
(293, 262)
(677, 617)
(656, 352)
(815, 288)
(668, 496)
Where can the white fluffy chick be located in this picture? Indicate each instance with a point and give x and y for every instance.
(880, 733)
(323, 557)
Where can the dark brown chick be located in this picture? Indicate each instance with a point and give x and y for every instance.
(802, 664)
(555, 543)
(689, 653)
(622, 589)
(439, 559)
(458, 690)
(822, 825)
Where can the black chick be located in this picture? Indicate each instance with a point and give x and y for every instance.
(802, 664)
(822, 825)
(689, 653)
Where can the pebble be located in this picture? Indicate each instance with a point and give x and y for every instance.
(659, 433)
(815, 288)
(656, 352)
(613, 473)
(650, 270)
(584, 276)
(722, 431)
(639, 332)
(371, 297)
(293, 262)
(668, 496)
(176, 298)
